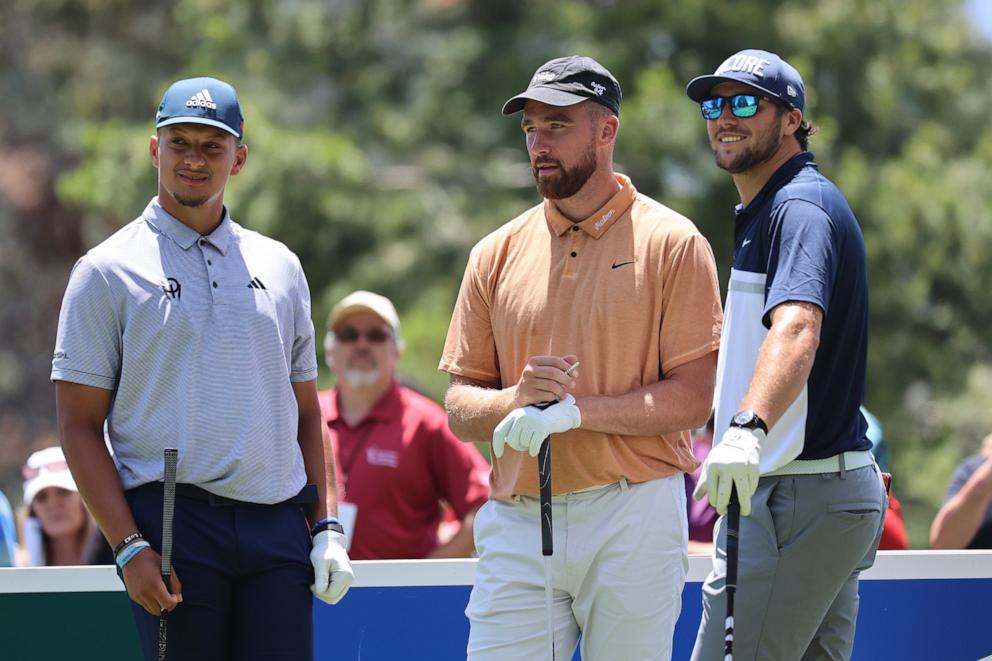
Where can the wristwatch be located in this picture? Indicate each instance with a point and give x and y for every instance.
(329, 523)
(748, 420)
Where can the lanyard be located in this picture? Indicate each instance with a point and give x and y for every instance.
(356, 450)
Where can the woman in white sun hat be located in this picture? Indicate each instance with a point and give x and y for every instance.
(56, 523)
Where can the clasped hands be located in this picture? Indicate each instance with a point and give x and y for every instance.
(544, 379)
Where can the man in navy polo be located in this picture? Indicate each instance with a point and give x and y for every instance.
(790, 380)
(186, 330)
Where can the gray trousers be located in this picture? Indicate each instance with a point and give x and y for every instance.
(801, 551)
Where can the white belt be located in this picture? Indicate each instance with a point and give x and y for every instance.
(622, 482)
(839, 463)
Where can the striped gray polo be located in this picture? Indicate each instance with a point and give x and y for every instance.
(200, 338)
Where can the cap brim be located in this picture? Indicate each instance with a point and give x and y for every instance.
(198, 120)
(701, 87)
(552, 97)
(60, 479)
(349, 310)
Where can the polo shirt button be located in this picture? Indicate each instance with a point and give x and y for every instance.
(575, 228)
(215, 285)
(575, 254)
(203, 242)
(209, 263)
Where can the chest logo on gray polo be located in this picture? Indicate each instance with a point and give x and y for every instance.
(256, 284)
(172, 289)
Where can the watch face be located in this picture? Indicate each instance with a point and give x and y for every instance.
(744, 418)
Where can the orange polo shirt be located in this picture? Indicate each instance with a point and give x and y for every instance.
(631, 290)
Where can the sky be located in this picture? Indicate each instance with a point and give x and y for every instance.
(981, 12)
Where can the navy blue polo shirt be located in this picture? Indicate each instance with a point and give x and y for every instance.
(798, 240)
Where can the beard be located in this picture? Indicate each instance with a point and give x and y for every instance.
(568, 181)
(190, 201)
(762, 151)
(359, 378)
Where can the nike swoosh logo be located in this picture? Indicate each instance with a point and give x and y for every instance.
(616, 266)
(745, 242)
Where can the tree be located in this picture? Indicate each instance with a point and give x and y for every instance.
(379, 155)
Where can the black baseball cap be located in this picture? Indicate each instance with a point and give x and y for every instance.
(566, 81)
(758, 68)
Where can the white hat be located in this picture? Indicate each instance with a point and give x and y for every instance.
(365, 301)
(46, 468)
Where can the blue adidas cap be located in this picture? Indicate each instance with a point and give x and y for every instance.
(759, 69)
(201, 101)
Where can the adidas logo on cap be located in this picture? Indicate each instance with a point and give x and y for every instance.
(201, 99)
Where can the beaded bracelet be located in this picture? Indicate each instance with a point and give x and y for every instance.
(127, 540)
(129, 552)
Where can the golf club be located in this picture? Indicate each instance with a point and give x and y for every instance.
(733, 537)
(168, 508)
(547, 537)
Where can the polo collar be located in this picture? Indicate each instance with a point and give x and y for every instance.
(779, 178)
(388, 408)
(603, 219)
(183, 235)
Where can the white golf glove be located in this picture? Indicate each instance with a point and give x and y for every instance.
(331, 568)
(733, 461)
(524, 429)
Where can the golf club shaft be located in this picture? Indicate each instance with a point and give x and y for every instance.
(733, 551)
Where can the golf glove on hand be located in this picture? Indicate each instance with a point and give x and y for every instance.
(733, 461)
(525, 428)
(331, 568)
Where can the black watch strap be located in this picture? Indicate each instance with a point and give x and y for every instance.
(748, 420)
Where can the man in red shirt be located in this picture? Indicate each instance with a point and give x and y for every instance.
(399, 463)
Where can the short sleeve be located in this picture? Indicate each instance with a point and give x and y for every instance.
(304, 352)
(470, 347)
(461, 472)
(88, 341)
(802, 263)
(962, 474)
(691, 312)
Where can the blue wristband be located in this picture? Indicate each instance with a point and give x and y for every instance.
(327, 523)
(128, 553)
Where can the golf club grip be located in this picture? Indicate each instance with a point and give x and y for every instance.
(168, 510)
(544, 478)
(733, 554)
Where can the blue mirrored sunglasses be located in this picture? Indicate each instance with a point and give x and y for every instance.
(741, 105)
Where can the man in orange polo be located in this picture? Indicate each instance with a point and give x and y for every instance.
(601, 274)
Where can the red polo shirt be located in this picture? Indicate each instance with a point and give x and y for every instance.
(397, 465)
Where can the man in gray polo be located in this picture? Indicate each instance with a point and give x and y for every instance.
(184, 329)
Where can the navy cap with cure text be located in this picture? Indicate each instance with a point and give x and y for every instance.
(758, 68)
(201, 101)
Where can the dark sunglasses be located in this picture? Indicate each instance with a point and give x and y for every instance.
(741, 105)
(349, 334)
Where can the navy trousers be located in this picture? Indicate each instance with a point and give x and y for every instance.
(246, 576)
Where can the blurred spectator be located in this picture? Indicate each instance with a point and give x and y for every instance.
(879, 446)
(57, 524)
(702, 516)
(8, 533)
(965, 519)
(894, 536)
(399, 463)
